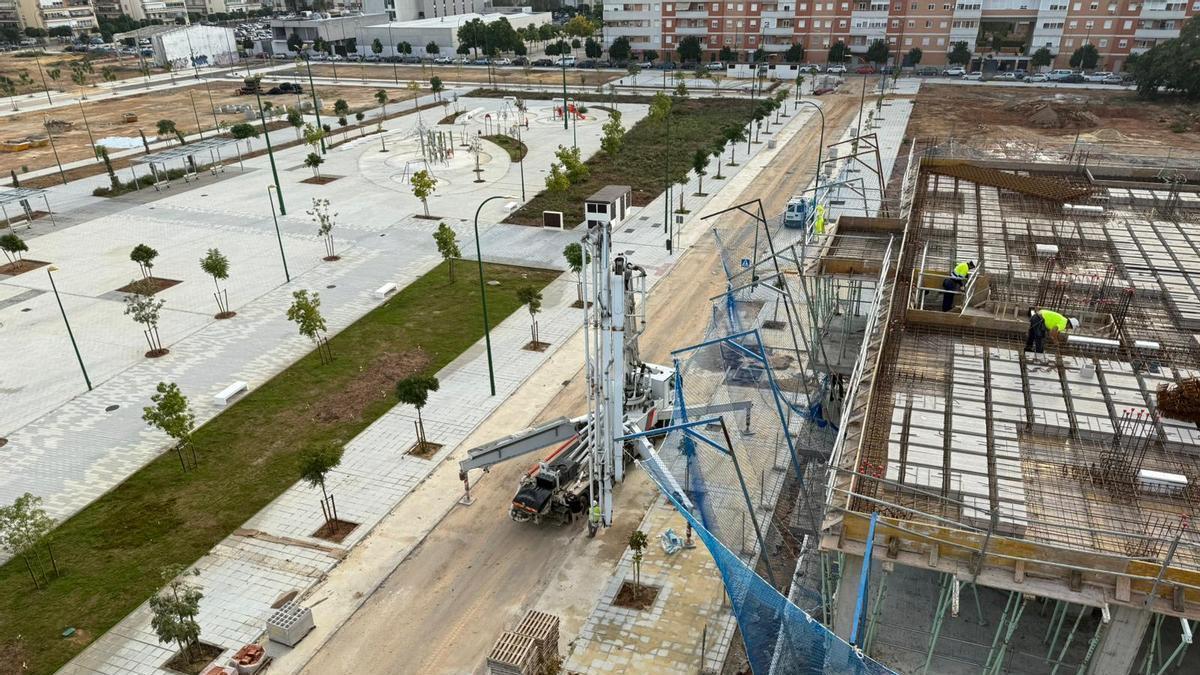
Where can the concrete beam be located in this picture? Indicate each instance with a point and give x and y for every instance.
(847, 596)
(1121, 641)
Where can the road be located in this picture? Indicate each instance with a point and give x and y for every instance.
(475, 574)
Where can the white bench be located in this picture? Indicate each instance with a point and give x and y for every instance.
(227, 394)
(385, 290)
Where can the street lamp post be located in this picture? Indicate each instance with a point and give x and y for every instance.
(270, 153)
(521, 162)
(487, 335)
(821, 145)
(312, 89)
(562, 59)
(278, 236)
(70, 334)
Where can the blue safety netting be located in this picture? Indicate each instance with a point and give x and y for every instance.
(780, 638)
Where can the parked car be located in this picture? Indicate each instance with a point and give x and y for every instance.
(927, 71)
(542, 63)
(520, 61)
(1097, 76)
(810, 68)
(667, 65)
(836, 69)
(502, 62)
(973, 76)
(865, 70)
(1038, 77)
(1020, 73)
(1113, 79)
(954, 71)
(1059, 75)
(715, 65)
(587, 63)
(566, 61)
(1007, 75)
(371, 58)
(444, 59)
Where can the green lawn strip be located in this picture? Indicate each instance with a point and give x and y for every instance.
(111, 552)
(515, 149)
(641, 162)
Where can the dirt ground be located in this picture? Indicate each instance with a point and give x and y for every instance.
(12, 64)
(443, 607)
(1024, 118)
(104, 118)
(451, 74)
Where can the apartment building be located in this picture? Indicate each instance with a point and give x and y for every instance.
(78, 15)
(1006, 32)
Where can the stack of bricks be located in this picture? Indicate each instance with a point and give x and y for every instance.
(543, 629)
(513, 654)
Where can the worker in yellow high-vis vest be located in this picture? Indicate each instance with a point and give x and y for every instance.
(819, 220)
(1043, 322)
(955, 282)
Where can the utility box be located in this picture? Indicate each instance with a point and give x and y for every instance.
(290, 623)
(608, 206)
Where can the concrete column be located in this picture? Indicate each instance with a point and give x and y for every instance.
(1121, 641)
(847, 597)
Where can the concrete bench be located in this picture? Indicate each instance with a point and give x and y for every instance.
(385, 290)
(190, 176)
(228, 393)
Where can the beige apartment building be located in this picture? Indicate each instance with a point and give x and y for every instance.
(1006, 31)
(78, 15)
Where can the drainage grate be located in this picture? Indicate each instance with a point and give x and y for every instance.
(111, 408)
(629, 229)
(331, 286)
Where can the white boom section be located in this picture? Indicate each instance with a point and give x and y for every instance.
(521, 443)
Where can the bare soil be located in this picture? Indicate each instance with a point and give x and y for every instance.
(335, 530)
(148, 286)
(1026, 116)
(640, 597)
(202, 655)
(377, 383)
(12, 269)
(104, 117)
(539, 346)
(320, 180)
(124, 68)
(17, 220)
(424, 450)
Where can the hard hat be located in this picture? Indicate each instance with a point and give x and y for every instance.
(595, 503)
(1073, 322)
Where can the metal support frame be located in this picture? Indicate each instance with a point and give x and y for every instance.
(939, 617)
(1017, 601)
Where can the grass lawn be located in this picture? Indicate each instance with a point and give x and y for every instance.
(695, 123)
(110, 553)
(515, 149)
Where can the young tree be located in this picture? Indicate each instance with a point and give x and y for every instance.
(592, 48)
(342, 122)
(244, 131)
(414, 391)
(144, 256)
(315, 465)
(173, 614)
(620, 50)
(314, 162)
(689, 49)
(359, 117)
(699, 165)
(376, 46)
(878, 52)
(216, 265)
(913, 58)
(838, 53)
(681, 90)
(436, 86)
(295, 43)
(172, 415)
(650, 55)
(341, 108)
(325, 222)
(167, 127)
(1086, 57)
(102, 155)
(734, 134)
(637, 544)
(145, 310)
(296, 120)
(432, 48)
(960, 54)
(574, 256)
(313, 137)
(447, 245)
(305, 312)
(423, 186)
(577, 171)
(557, 180)
(532, 299)
(13, 246)
(726, 54)
(716, 151)
(1042, 58)
(24, 527)
(614, 134)
(794, 54)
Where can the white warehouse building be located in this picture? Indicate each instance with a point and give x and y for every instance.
(185, 46)
(442, 30)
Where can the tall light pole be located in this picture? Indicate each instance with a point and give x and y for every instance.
(70, 334)
(278, 236)
(521, 162)
(821, 145)
(487, 335)
(270, 153)
(312, 89)
(562, 59)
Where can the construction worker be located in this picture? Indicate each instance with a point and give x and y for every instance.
(819, 220)
(1045, 322)
(594, 518)
(955, 283)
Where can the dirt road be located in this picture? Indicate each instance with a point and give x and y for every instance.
(477, 572)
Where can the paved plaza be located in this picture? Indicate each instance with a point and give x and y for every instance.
(380, 241)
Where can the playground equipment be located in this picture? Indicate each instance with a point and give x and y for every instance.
(572, 109)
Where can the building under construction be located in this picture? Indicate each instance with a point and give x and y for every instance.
(1062, 489)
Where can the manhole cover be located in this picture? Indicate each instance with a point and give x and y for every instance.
(111, 408)
(629, 229)
(203, 195)
(331, 286)
(384, 234)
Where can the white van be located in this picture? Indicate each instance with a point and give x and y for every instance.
(1060, 74)
(566, 61)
